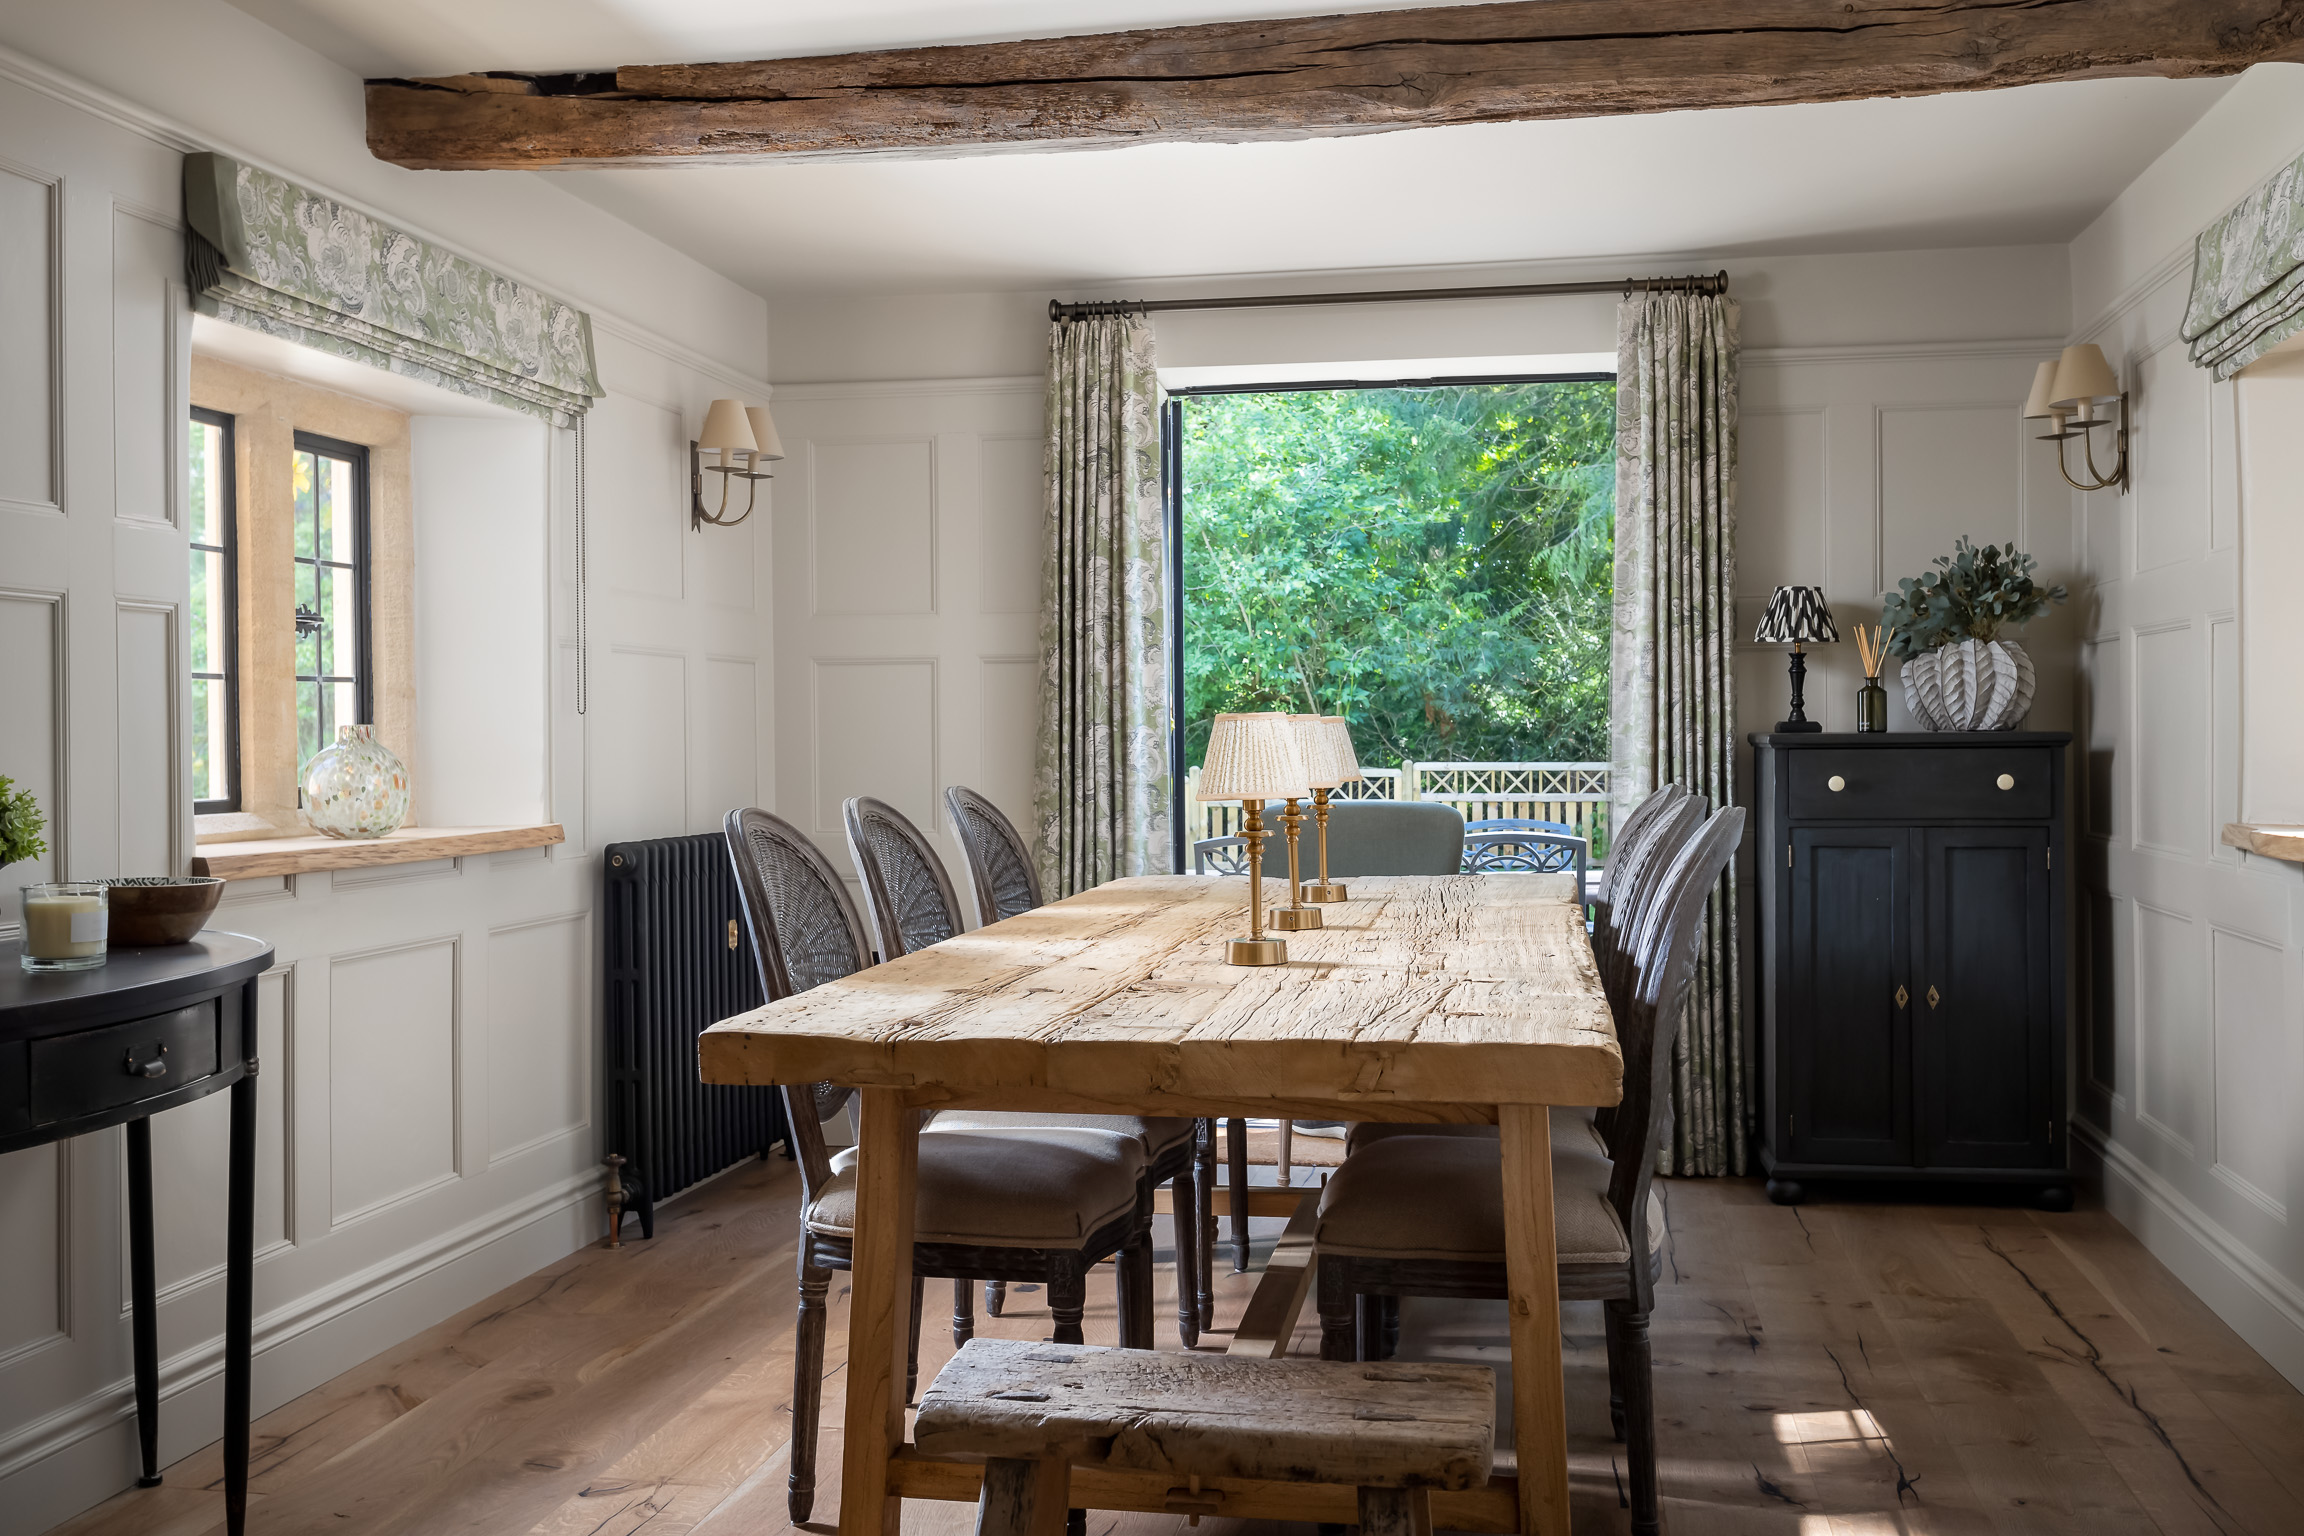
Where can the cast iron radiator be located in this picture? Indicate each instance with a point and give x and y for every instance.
(677, 960)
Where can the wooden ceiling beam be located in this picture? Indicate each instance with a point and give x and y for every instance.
(1315, 76)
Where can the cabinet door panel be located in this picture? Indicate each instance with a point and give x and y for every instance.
(1844, 1034)
(1982, 1051)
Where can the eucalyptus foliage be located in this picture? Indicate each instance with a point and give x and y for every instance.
(1974, 593)
(1434, 564)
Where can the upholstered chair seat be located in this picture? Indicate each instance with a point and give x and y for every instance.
(1442, 1197)
(1158, 1134)
(1050, 1190)
(1572, 1125)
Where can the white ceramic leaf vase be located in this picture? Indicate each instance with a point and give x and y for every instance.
(356, 788)
(1975, 685)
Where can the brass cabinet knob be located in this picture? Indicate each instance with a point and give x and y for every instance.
(2006, 781)
(1837, 784)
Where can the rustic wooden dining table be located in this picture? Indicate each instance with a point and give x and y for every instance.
(1470, 998)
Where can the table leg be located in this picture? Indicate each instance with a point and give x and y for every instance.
(240, 1286)
(879, 1309)
(1236, 1174)
(1532, 1273)
(143, 1289)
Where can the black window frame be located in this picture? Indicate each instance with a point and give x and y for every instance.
(364, 694)
(1172, 497)
(229, 553)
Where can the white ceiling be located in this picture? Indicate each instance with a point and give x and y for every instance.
(1984, 168)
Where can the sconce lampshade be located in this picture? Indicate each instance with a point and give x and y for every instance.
(1254, 757)
(767, 445)
(1796, 616)
(2083, 377)
(2041, 405)
(726, 430)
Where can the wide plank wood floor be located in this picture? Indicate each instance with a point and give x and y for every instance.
(1842, 1369)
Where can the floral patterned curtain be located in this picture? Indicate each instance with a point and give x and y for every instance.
(2248, 277)
(1672, 705)
(275, 257)
(1101, 786)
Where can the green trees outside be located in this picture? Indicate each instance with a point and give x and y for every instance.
(1435, 564)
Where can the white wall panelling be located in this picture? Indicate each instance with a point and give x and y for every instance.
(2193, 1008)
(428, 1035)
(908, 561)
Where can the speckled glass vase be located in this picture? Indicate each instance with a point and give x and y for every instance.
(356, 788)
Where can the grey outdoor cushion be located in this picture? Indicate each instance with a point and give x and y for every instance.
(1442, 1197)
(1049, 1190)
(1371, 837)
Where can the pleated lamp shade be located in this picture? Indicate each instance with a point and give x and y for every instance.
(1326, 741)
(1254, 757)
(1796, 615)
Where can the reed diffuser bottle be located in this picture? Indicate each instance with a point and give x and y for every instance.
(1871, 699)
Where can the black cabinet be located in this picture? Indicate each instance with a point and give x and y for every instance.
(1912, 950)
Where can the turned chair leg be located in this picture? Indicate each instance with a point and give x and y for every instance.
(807, 1391)
(912, 1348)
(1132, 1278)
(1391, 1326)
(1371, 1345)
(1640, 1421)
(1612, 1330)
(1285, 1174)
(1204, 1173)
(1336, 1309)
(1236, 1174)
(995, 1297)
(1067, 1299)
(1023, 1498)
(1182, 1191)
(963, 1312)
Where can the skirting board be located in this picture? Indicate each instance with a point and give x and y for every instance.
(202, 1366)
(2257, 1302)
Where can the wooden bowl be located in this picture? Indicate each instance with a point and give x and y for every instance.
(160, 909)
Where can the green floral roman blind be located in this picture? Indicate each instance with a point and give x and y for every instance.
(2248, 277)
(279, 258)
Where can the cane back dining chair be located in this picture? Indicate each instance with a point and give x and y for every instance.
(1045, 1208)
(1424, 1215)
(1622, 840)
(909, 899)
(1000, 870)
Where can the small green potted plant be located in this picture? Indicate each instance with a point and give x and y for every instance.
(20, 824)
(1950, 626)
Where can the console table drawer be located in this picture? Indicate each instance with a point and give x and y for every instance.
(100, 1069)
(1923, 784)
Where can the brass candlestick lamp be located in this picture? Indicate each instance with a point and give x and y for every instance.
(1252, 759)
(1332, 763)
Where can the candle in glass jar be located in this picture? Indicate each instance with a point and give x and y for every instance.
(64, 927)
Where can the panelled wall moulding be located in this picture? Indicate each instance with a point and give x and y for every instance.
(32, 460)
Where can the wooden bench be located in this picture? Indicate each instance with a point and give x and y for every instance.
(1395, 1431)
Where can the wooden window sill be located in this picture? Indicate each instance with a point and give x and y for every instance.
(2272, 842)
(302, 855)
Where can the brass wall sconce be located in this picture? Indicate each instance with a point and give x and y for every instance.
(745, 439)
(1252, 759)
(2066, 393)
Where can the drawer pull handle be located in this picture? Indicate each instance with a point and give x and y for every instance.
(1835, 783)
(2006, 781)
(156, 1067)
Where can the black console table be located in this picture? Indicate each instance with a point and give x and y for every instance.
(150, 1029)
(1912, 950)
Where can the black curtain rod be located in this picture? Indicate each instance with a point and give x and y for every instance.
(1059, 310)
